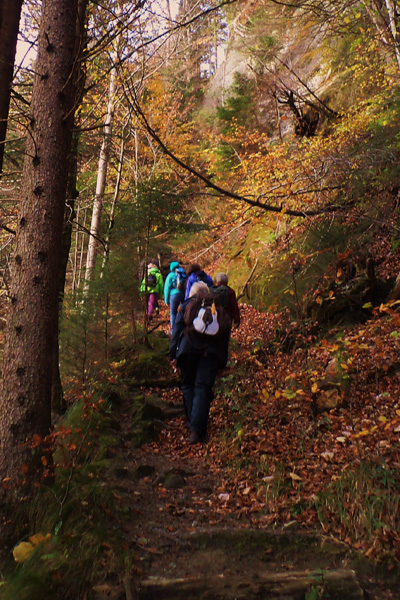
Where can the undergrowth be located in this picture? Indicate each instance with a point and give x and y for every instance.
(365, 500)
(75, 518)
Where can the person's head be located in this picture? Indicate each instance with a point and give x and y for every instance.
(221, 279)
(194, 268)
(173, 265)
(198, 286)
(153, 262)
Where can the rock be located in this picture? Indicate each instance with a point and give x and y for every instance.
(143, 471)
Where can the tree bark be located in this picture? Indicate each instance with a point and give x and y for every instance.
(393, 24)
(10, 12)
(57, 400)
(33, 312)
(101, 179)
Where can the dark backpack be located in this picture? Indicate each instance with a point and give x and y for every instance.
(180, 279)
(222, 292)
(201, 276)
(206, 318)
(151, 280)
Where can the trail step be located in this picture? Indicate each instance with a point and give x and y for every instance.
(341, 584)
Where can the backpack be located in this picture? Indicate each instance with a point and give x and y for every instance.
(151, 280)
(180, 279)
(206, 318)
(201, 276)
(223, 293)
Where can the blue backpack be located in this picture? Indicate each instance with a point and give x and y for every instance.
(180, 279)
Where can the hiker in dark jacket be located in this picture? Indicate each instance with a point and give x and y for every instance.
(199, 361)
(221, 279)
(195, 273)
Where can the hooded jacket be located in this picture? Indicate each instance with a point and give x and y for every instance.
(158, 287)
(193, 277)
(169, 286)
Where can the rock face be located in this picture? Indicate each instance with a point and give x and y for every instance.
(291, 64)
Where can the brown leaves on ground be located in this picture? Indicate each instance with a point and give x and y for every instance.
(306, 428)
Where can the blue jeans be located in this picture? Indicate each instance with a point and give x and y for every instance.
(198, 375)
(174, 302)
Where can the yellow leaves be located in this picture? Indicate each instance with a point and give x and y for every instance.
(294, 477)
(362, 433)
(314, 388)
(24, 550)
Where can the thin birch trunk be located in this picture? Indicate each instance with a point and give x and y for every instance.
(75, 261)
(80, 270)
(101, 180)
(393, 18)
(115, 198)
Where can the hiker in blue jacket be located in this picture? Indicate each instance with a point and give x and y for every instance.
(196, 273)
(199, 362)
(174, 289)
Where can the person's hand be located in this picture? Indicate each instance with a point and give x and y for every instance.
(174, 365)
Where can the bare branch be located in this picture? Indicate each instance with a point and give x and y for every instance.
(224, 192)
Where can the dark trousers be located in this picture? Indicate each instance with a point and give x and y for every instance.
(174, 302)
(198, 373)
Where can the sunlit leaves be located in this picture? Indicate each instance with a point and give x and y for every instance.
(24, 550)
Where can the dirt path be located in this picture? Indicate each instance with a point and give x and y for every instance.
(189, 543)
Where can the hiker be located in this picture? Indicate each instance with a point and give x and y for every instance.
(199, 357)
(195, 273)
(174, 289)
(152, 285)
(231, 305)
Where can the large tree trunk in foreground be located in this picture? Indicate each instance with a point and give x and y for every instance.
(57, 399)
(33, 313)
(10, 12)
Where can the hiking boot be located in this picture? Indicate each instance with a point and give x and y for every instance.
(194, 438)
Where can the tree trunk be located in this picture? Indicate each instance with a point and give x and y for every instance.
(101, 179)
(10, 12)
(116, 194)
(57, 401)
(393, 24)
(33, 313)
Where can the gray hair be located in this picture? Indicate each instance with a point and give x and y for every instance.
(196, 287)
(221, 279)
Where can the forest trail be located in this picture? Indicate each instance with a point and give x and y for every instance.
(192, 540)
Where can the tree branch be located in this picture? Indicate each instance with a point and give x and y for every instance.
(224, 192)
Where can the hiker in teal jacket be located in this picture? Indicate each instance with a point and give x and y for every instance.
(152, 285)
(172, 295)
